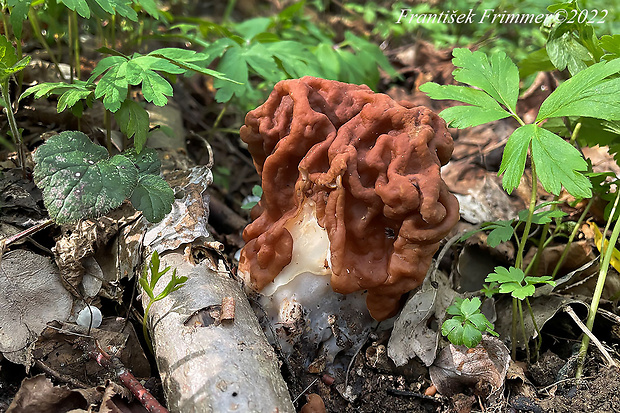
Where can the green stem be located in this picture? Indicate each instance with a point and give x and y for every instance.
(513, 332)
(36, 29)
(75, 42)
(525, 339)
(600, 284)
(528, 221)
(107, 119)
(229, 8)
(8, 108)
(571, 238)
(538, 333)
(145, 330)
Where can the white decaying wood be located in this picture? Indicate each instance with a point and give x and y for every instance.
(227, 367)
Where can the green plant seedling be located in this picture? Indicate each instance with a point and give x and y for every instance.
(257, 191)
(514, 282)
(148, 285)
(468, 323)
(9, 65)
(79, 179)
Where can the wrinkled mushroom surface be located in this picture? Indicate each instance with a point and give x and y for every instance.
(370, 166)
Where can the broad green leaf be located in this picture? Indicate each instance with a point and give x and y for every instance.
(72, 96)
(470, 306)
(558, 164)
(541, 218)
(80, 6)
(514, 157)
(480, 321)
(586, 94)
(485, 108)
(611, 44)
(19, 13)
(133, 120)
(565, 50)
(537, 61)
(372, 50)
(501, 232)
(471, 336)
(146, 161)
(149, 6)
(499, 76)
(234, 66)
(503, 275)
(113, 87)
(78, 178)
(517, 291)
(153, 196)
(155, 88)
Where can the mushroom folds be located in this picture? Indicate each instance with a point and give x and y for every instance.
(369, 167)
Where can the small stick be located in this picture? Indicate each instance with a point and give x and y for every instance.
(228, 310)
(26, 233)
(597, 343)
(113, 363)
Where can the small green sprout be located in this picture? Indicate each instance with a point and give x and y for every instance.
(148, 286)
(257, 191)
(514, 282)
(468, 323)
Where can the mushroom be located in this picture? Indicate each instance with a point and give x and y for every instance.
(353, 200)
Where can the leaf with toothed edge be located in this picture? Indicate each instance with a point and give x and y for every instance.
(79, 179)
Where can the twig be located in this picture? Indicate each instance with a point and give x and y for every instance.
(597, 343)
(560, 382)
(25, 233)
(113, 363)
(305, 390)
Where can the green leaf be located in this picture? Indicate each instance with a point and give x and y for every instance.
(537, 61)
(133, 120)
(19, 13)
(499, 76)
(517, 291)
(502, 231)
(234, 66)
(257, 191)
(80, 6)
(565, 50)
(149, 6)
(558, 164)
(586, 94)
(611, 44)
(153, 196)
(541, 218)
(72, 96)
(545, 279)
(471, 336)
(146, 161)
(155, 88)
(113, 87)
(146, 287)
(503, 275)
(470, 306)
(514, 157)
(79, 180)
(485, 108)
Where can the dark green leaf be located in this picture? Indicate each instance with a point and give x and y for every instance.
(79, 180)
(514, 157)
(611, 44)
(146, 161)
(485, 108)
(133, 120)
(19, 13)
(499, 76)
(558, 164)
(153, 196)
(586, 94)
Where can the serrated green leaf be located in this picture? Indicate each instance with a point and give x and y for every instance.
(499, 76)
(611, 44)
(155, 88)
(113, 87)
(514, 157)
(234, 66)
(501, 232)
(586, 94)
(19, 13)
(503, 275)
(517, 291)
(153, 196)
(485, 108)
(558, 164)
(545, 279)
(450, 325)
(80, 6)
(470, 306)
(471, 336)
(133, 120)
(540, 218)
(79, 180)
(146, 287)
(72, 96)
(480, 321)
(565, 50)
(146, 161)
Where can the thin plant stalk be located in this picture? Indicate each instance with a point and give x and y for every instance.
(528, 221)
(538, 333)
(145, 330)
(513, 331)
(600, 284)
(36, 30)
(571, 238)
(525, 340)
(17, 137)
(76, 44)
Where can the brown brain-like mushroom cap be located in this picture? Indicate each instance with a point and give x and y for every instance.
(372, 168)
